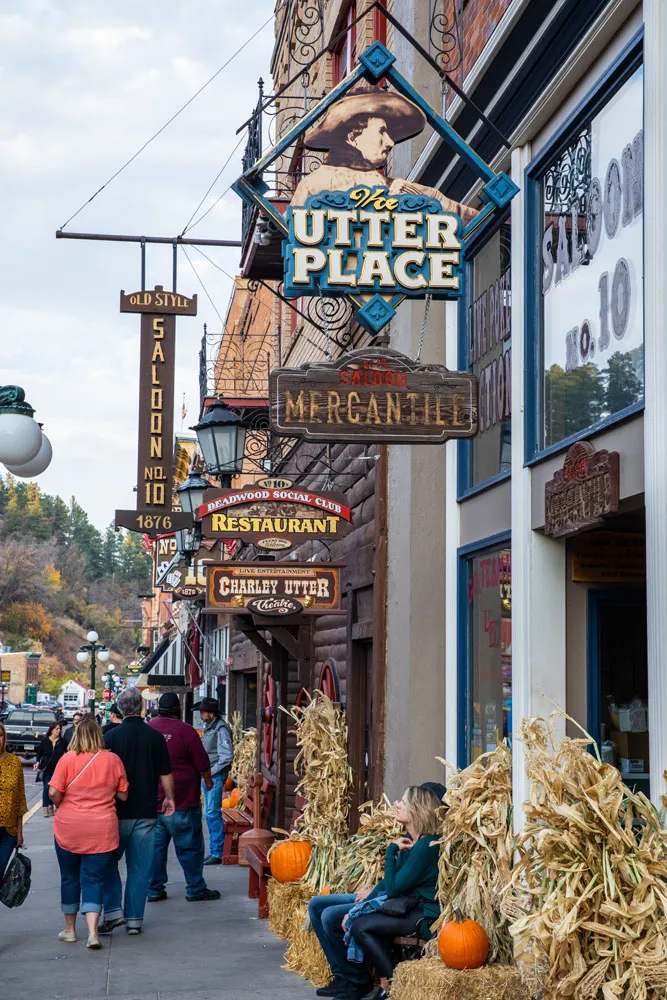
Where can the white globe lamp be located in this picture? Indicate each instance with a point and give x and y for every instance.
(37, 465)
(82, 657)
(20, 435)
(103, 655)
(92, 636)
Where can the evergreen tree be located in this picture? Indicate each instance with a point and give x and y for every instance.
(37, 523)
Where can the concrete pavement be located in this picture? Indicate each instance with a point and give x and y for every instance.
(202, 951)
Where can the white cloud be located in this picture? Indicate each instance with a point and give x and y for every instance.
(84, 84)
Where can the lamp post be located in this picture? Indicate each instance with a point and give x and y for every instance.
(24, 449)
(221, 436)
(92, 649)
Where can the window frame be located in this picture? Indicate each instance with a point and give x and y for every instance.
(503, 539)
(464, 447)
(600, 94)
(349, 39)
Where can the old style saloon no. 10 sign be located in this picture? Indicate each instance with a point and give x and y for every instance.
(265, 514)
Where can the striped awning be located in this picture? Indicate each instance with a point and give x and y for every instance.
(168, 668)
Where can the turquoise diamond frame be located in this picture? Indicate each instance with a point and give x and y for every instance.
(373, 65)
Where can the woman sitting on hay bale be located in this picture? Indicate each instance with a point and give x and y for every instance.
(401, 904)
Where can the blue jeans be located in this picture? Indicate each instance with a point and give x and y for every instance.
(7, 845)
(46, 801)
(213, 809)
(82, 879)
(326, 917)
(184, 826)
(136, 843)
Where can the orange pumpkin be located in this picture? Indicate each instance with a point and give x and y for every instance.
(229, 783)
(235, 797)
(289, 860)
(326, 891)
(462, 943)
(227, 803)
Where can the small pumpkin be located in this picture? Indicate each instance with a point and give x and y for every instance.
(227, 803)
(326, 891)
(229, 783)
(289, 860)
(235, 797)
(462, 943)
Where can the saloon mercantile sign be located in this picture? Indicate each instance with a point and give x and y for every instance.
(232, 586)
(582, 492)
(374, 395)
(265, 514)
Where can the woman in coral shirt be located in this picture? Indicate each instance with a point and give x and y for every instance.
(85, 785)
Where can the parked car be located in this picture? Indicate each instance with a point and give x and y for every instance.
(26, 729)
(5, 708)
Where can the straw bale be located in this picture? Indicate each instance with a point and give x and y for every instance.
(430, 979)
(284, 898)
(304, 954)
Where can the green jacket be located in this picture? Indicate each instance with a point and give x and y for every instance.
(413, 872)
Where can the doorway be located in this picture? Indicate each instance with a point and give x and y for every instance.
(618, 680)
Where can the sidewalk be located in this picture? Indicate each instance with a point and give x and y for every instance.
(202, 951)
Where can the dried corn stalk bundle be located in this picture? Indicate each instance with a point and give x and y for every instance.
(476, 847)
(245, 755)
(590, 883)
(284, 898)
(360, 860)
(325, 783)
(304, 954)
(430, 979)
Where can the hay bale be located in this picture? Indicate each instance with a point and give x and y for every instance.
(430, 979)
(284, 898)
(304, 955)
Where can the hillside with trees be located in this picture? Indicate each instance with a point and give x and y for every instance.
(60, 576)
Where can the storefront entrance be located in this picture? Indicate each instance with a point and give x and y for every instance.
(618, 680)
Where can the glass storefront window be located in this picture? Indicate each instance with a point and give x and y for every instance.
(591, 234)
(488, 582)
(489, 355)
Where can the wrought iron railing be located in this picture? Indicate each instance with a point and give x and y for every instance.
(251, 154)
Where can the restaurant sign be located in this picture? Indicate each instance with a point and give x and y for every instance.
(234, 587)
(271, 517)
(374, 394)
(582, 492)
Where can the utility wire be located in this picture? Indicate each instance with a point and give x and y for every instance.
(205, 289)
(187, 225)
(168, 123)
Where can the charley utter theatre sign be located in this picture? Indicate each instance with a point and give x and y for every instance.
(237, 586)
(374, 394)
(352, 230)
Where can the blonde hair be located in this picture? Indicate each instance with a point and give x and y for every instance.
(4, 735)
(422, 807)
(87, 737)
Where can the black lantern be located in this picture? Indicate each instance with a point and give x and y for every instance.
(188, 541)
(191, 492)
(221, 436)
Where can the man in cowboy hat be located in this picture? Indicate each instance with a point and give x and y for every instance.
(359, 131)
(219, 746)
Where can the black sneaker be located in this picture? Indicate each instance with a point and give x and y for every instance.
(133, 930)
(212, 860)
(206, 894)
(377, 993)
(352, 991)
(157, 897)
(333, 989)
(107, 926)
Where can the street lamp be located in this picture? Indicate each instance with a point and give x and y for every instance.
(92, 649)
(191, 492)
(112, 681)
(23, 448)
(221, 436)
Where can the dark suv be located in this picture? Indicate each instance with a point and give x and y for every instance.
(26, 730)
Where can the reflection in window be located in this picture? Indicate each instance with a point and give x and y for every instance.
(489, 651)
(591, 236)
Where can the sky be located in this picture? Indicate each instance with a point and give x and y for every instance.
(84, 84)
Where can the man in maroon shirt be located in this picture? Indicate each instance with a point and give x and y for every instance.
(189, 764)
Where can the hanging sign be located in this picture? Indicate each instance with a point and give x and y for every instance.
(274, 607)
(188, 593)
(235, 586)
(158, 309)
(351, 229)
(270, 517)
(582, 492)
(373, 395)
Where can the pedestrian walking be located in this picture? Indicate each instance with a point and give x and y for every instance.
(144, 753)
(12, 802)
(85, 785)
(115, 719)
(219, 746)
(69, 731)
(189, 766)
(49, 752)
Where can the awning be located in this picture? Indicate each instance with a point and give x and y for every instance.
(151, 660)
(168, 668)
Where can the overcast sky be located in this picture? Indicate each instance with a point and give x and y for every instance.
(84, 83)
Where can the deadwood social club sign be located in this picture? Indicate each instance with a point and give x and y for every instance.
(374, 394)
(158, 310)
(272, 518)
(232, 586)
(582, 492)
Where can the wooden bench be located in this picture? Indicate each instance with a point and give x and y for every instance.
(237, 821)
(258, 880)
